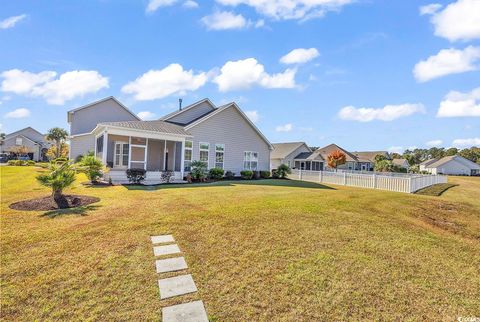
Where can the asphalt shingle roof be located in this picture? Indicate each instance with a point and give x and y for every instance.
(155, 126)
(281, 150)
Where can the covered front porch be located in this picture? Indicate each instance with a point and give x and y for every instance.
(122, 149)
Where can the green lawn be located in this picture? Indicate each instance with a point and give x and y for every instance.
(261, 250)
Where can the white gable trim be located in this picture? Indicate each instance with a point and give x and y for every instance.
(23, 136)
(173, 114)
(219, 110)
(71, 112)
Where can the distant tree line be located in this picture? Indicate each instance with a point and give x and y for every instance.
(417, 156)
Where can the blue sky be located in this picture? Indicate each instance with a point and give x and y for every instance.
(367, 75)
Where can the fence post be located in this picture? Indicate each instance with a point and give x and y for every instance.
(300, 174)
(320, 176)
(344, 178)
(374, 181)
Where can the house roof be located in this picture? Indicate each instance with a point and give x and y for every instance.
(186, 108)
(69, 113)
(312, 156)
(26, 128)
(326, 150)
(369, 156)
(281, 150)
(154, 126)
(458, 158)
(429, 161)
(399, 162)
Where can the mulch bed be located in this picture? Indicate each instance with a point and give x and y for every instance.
(47, 203)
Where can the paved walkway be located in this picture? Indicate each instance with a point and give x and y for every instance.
(178, 285)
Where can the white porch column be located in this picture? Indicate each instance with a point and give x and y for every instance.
(165, 155)
(146, 155)
(105, 148)
(129, 151)
(182, 168)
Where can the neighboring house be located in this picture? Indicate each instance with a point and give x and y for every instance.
(34, 141)
(353, 162)
(453, 165)
(366, 159)
(284, 153)
(402, 163)
(221, 136)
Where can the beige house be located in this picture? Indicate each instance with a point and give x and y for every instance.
(222, 137)
(452, 165)
(32, 140)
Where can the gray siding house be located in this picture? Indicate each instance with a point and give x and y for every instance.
(296, 155)
(221, 136)
(31, 139)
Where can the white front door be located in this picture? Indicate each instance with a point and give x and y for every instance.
(120, 159)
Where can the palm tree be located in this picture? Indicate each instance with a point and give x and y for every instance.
(61, 176)
(58, 135)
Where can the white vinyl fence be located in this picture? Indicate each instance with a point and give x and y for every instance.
(408, 183)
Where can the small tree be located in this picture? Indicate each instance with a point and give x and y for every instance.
(336, 158)
(60, 176)
(52, 152)
(199, 170)
(57, 135)
(92, 167)
(283, 171)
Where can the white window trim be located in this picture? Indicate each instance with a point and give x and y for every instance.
(144, 146)
(17, 139)
(223, 152)
(208, 152)
(191, 154)
(258, 160)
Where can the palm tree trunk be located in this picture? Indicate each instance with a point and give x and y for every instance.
(60, 199)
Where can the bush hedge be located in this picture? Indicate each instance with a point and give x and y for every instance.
(136, 176)
(229, 175)
(246, 174)
(264, 174)
(216, 173)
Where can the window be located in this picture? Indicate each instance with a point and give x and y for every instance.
(187, 163)
(121, 154)
(18, 141)
(219, 153)
(250, 160)
(204, 147)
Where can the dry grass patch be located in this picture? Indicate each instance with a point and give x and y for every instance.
(266, 250)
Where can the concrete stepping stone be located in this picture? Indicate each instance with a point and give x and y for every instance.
(162, 239)
(178, 285)
(170, 264)
(186, 312)
(166, 250)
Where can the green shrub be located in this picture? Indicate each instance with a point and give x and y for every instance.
(216, 173)
(20, 162)
(275, 174)
(265, 174)
(60, 160)
(229, 175)
(283, 171)
(79, 158)
(198, 170)
(30, 162)
(246, 174)
(136, 176)
(11, 162)
(92, 167)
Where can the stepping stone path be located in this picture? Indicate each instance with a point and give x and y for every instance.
(176, 286)
(193, 311)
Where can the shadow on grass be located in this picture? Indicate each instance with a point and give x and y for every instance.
(82, 211)
(436, 189)
(266, 182)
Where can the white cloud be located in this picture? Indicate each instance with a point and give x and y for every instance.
(243, 74)
(190, 4)
(395, 149)
(458, 21)
(463, 143)
(19, 113)
(290, 9)
(300, 56)
(284, 128)
(55, 90)
(156, 84)
(11, 21)
(155, 4)
(223, 20)
(446, 62)
(433, 143)
(147, 115)
(260, 23)
(387, 113)
(429, 9)
(253, 116)
(457, 104)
